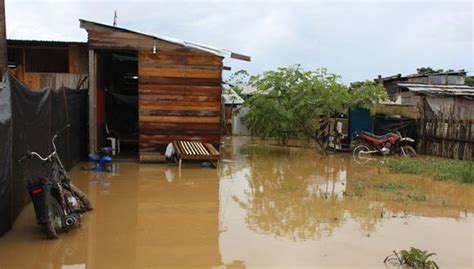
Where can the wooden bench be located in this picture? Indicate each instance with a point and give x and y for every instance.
(191, 150)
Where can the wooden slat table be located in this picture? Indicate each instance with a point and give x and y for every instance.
(191, 150)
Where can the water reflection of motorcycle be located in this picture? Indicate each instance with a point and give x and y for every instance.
(58, 204)
(388, 144)
(66, 252)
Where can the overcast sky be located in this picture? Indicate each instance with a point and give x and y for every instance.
(356, 39)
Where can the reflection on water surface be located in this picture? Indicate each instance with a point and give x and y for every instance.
(266, 206)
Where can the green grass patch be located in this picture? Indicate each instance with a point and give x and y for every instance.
(388, 190)
(454, 170)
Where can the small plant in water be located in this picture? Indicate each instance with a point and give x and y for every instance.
(414, 258)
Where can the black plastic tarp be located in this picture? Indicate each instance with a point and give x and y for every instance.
(5, 157)
(28, 121)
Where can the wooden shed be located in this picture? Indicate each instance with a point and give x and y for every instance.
(176, 86)
(52, 64)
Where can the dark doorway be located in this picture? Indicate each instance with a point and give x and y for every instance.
(121, 102)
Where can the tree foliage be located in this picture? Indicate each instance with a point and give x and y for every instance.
(470, 81)
(291, 102)
(429, 70)
(237, 79)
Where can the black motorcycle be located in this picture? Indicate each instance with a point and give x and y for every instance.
(59, 205)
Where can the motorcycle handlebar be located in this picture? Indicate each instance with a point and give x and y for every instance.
(29, 154)
(63, 129)
(24, 157)
(58, 133)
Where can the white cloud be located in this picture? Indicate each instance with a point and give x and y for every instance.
(357, 39)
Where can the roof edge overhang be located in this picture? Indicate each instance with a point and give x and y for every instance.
(400, 77)
(90, 25)
(433, 89)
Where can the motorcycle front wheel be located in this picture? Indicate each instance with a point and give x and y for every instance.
(361, 154)
(408, 151)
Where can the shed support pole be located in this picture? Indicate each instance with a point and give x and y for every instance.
(3, 40)
(92, 101)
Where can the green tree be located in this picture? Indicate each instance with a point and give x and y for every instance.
(291, 102)
(237, 79)
(428, 70)
(470, 81)
(356, 84)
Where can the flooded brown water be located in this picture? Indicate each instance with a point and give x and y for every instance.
(265, 207)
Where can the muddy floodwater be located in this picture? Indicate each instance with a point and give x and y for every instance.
(265, 206)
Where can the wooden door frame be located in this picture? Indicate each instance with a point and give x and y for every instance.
(92, 101)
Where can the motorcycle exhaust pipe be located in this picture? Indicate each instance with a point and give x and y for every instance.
(70, 221)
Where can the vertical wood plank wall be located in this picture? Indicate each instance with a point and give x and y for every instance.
(179, 99)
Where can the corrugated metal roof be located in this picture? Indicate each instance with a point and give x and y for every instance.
(230, 96)
(436, 74)
(41, 42)
(400, 77)
(247, 89)
(460, 90)
(188, 44)
(219, 52)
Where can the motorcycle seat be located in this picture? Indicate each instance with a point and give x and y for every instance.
(378, 137)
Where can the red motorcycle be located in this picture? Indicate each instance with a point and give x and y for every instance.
(388, 144)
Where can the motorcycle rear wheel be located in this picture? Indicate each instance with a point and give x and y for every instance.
(56, 222)
(360, 154)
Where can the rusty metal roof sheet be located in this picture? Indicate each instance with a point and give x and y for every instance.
(429, 89)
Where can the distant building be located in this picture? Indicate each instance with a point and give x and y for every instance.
(232, 101)
(238, 127)
(53, 64)
(396, 93)
(435, 94)
(443, 107)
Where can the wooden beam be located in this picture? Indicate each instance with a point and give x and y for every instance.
(73, 55)
(92, 101)
(240, 57)
(3, 39)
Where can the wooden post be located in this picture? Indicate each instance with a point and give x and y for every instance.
(3, 40)
(92, 101)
